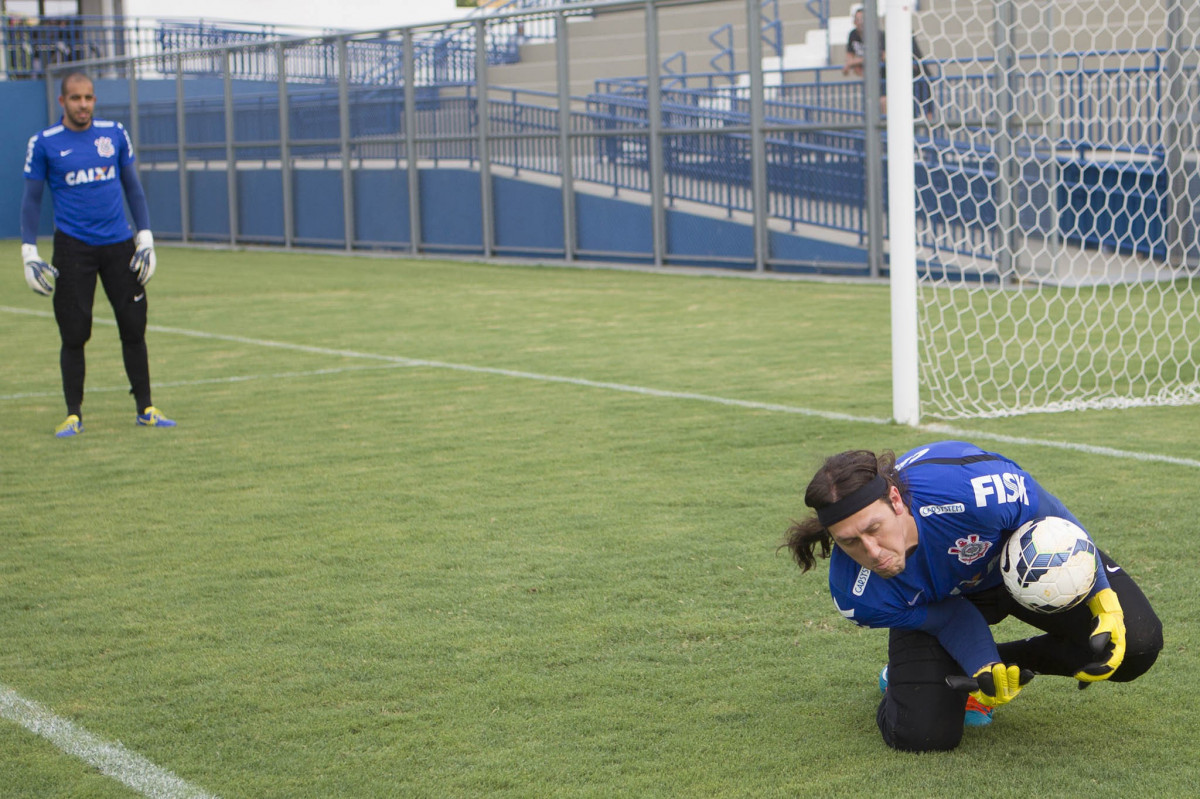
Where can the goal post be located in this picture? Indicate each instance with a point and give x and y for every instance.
(906, 406)
(1051, 245)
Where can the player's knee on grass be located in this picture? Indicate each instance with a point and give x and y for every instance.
(919, 712)
(920, 728)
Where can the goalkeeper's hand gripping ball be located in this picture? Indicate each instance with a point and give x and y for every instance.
(1108, 638)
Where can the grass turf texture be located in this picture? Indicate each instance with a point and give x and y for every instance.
(418, 581)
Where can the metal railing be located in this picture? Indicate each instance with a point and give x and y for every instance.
(442, 56)
(31, 45)
(814, 176)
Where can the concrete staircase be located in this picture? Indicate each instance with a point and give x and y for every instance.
(612, 45)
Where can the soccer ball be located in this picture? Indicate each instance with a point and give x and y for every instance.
(1049, 564)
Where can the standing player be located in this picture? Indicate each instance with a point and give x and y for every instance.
(915, 548)
(87, 163)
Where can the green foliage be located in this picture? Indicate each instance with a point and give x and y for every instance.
(345, 575)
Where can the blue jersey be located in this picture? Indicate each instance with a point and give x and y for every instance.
(965, 502)
(83, 171)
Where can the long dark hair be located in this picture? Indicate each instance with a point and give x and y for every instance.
(837, 477)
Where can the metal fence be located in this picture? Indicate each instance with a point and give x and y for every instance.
(791, 157)
(32, 46)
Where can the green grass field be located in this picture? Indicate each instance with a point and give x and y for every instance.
(434, 529)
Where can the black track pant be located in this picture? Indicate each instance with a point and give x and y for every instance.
(78, 266)
(920, 713)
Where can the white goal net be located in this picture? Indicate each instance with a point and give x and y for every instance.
(1057, 161)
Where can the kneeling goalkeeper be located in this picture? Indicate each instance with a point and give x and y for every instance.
(914, 546)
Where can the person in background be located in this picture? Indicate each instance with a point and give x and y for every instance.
(88, 164)
(856, 52)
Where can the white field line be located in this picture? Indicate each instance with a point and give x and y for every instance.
(946, 430)
(109, 757)
(210, 381)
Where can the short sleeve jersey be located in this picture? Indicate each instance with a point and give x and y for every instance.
(966, 502)
(83, 171)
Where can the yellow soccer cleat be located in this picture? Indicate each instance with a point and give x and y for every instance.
(73, 426)
(153, 418)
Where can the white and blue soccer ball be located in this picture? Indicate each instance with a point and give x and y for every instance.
(1049, 564)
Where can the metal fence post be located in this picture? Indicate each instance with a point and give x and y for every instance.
(135, 128)
(873, 144)
(231, 188)
(566, 153)
(285, 152)
(484, 131)
(758, 150)
(344, 140)
(410, 143)
(1178, 115)
(4, 47)
(654, 143)
(185, 212)
(1006, 168)
(51, 94)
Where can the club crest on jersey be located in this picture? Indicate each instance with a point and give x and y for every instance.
(104, 147)
(970, 549)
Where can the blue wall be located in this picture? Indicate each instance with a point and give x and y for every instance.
(1123, 207)
(25, 113)
(528, 215)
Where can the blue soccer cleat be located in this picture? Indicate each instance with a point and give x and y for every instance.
(153, 418)
(978, 714)
(73, 426)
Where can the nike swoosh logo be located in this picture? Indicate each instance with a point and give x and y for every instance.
(913, 601)
(1112, 569)
(62, 153)
(140, 297)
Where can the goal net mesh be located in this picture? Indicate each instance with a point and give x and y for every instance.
(1058, 202)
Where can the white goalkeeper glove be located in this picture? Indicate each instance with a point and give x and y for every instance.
(143, 261)
(37, 271)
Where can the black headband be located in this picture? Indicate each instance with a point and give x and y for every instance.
(852, 503)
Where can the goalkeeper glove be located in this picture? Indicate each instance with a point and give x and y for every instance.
(999, 684)
(37, 271)
(1108, 637)
(143, 261)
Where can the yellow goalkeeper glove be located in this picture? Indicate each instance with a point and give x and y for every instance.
(999, 683)
(1108, 638)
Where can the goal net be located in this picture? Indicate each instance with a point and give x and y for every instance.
(1057, 205)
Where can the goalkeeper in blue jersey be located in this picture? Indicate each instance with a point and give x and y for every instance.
(89, 166)
(914, 546)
